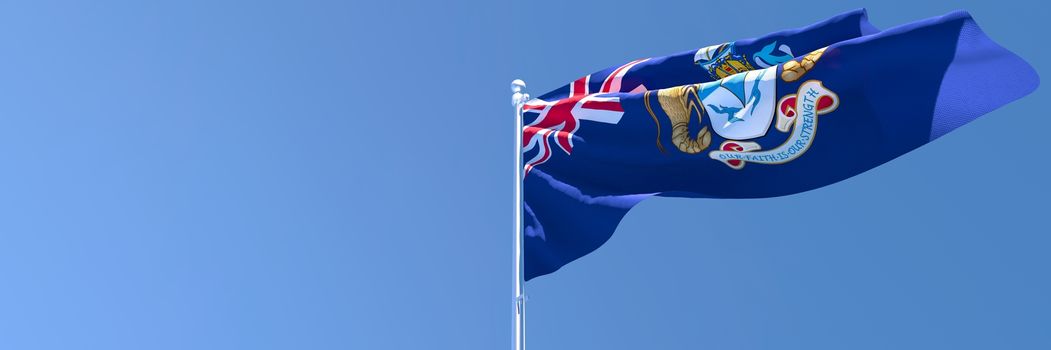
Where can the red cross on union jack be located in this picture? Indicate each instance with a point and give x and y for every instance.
(560, 119)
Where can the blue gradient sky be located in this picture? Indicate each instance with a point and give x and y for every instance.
(337, 175)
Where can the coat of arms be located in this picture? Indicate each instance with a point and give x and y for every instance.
(742, 107)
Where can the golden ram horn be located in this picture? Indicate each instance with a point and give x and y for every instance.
(677, 103)
(792, 70)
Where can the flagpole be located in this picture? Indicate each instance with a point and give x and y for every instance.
(518, 99)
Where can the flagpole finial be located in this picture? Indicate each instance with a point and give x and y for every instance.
(519, 97)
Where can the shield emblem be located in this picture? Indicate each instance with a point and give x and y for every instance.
(741, 106)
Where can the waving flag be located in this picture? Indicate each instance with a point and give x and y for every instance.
(755, 131)
(555, 116)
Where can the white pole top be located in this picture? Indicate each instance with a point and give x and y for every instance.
(517, 85)
(519, 98)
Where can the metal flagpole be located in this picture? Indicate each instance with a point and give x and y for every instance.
(518, 99)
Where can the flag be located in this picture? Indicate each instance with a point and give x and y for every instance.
(559, 111)
(717, 61)
(556, 115)
(755, 131)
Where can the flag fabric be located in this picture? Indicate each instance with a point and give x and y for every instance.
(753, 132)
(557, 114)
(717, 61)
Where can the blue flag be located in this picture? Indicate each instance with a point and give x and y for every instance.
(718, 61)
(771, 127)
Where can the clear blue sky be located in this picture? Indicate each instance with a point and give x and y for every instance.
(337, 175)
